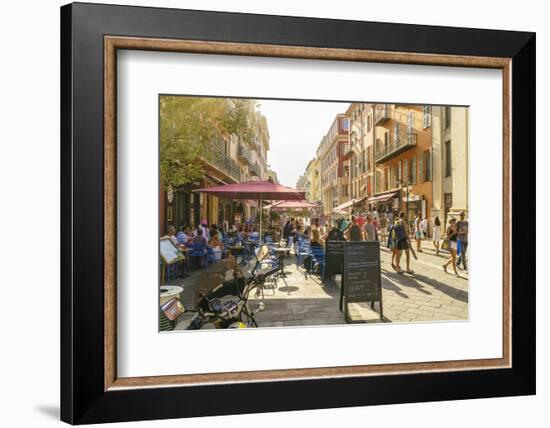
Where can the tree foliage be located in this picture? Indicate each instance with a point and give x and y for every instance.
(187, 124)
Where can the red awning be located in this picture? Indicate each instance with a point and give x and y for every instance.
(349, 204)
(384, 197)
(265, 190)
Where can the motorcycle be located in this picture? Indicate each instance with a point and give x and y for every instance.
(227, 305)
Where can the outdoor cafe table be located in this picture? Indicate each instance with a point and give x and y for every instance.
(282, 252)
(237, 251)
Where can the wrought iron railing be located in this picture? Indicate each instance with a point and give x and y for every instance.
(398, 144)
(381, 113)
(215, 156)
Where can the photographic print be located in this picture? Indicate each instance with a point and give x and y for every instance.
(286, 213)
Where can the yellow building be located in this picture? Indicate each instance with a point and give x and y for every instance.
(403, 157)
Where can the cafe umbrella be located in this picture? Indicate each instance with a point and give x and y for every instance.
(260, 190)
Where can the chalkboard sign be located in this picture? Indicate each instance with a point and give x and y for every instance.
(361, 280)
(334, 256)
(169, 252)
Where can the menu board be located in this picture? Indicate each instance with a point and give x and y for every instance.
(169, 252)
(334, 257)
(362, 281)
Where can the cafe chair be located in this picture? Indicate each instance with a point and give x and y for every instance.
(303, 250)
(198, 251)
(319, 257)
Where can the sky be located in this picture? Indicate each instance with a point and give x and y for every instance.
(296, 129)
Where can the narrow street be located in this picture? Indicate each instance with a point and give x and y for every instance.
(429, 294)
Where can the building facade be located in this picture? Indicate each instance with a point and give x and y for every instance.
(450, 162)
(333, 155)
(361, 152)
(403, 159)
(226, 159)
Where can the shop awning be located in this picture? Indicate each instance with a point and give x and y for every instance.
(348, 204)
(384, 197)
(284, 205)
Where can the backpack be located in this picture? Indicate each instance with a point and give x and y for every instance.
(399, 232)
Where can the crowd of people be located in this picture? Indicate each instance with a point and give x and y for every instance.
(393, 231)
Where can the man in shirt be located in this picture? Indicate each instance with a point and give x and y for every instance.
(370, 229)
(462, 238)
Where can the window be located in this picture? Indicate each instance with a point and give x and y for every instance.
(369, 122)
(420, 169)
(410, 122)
(447, 117)
(386, 141)
(399, 178)
(406, 170)
(396, 135)
(448, 164)
(427, 117)
(413, 170)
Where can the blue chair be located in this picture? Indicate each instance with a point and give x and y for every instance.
(319, 256)
(209, 254)
(303, 249)
(198, 251)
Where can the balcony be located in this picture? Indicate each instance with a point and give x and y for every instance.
(397, 146)
(244, 155)
(254, 144)
(254, 169)
(221, 161)
(382, 113)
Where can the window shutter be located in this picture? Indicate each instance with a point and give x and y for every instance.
(420, 169)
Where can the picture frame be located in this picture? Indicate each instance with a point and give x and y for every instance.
(91, 392)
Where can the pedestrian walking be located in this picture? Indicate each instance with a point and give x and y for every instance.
(418, 232)
(335, 234)
(436, 236)
(451, 237)
(401, 233)
(354, 231)
(370, 230)
(392, 246)
(424, 227)
(462, 237)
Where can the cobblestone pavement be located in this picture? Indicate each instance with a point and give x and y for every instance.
(429, 294)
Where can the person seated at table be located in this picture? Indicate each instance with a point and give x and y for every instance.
(171, 233)
(217, 246)
(254, 235)
(184, 235)
(203, 227)
(199, 239)
(299, 233)
(316, 240)
(240, 234)
(215, 231)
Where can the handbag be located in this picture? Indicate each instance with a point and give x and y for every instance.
(446, 244)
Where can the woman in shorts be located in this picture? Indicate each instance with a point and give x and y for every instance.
(452, 238)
